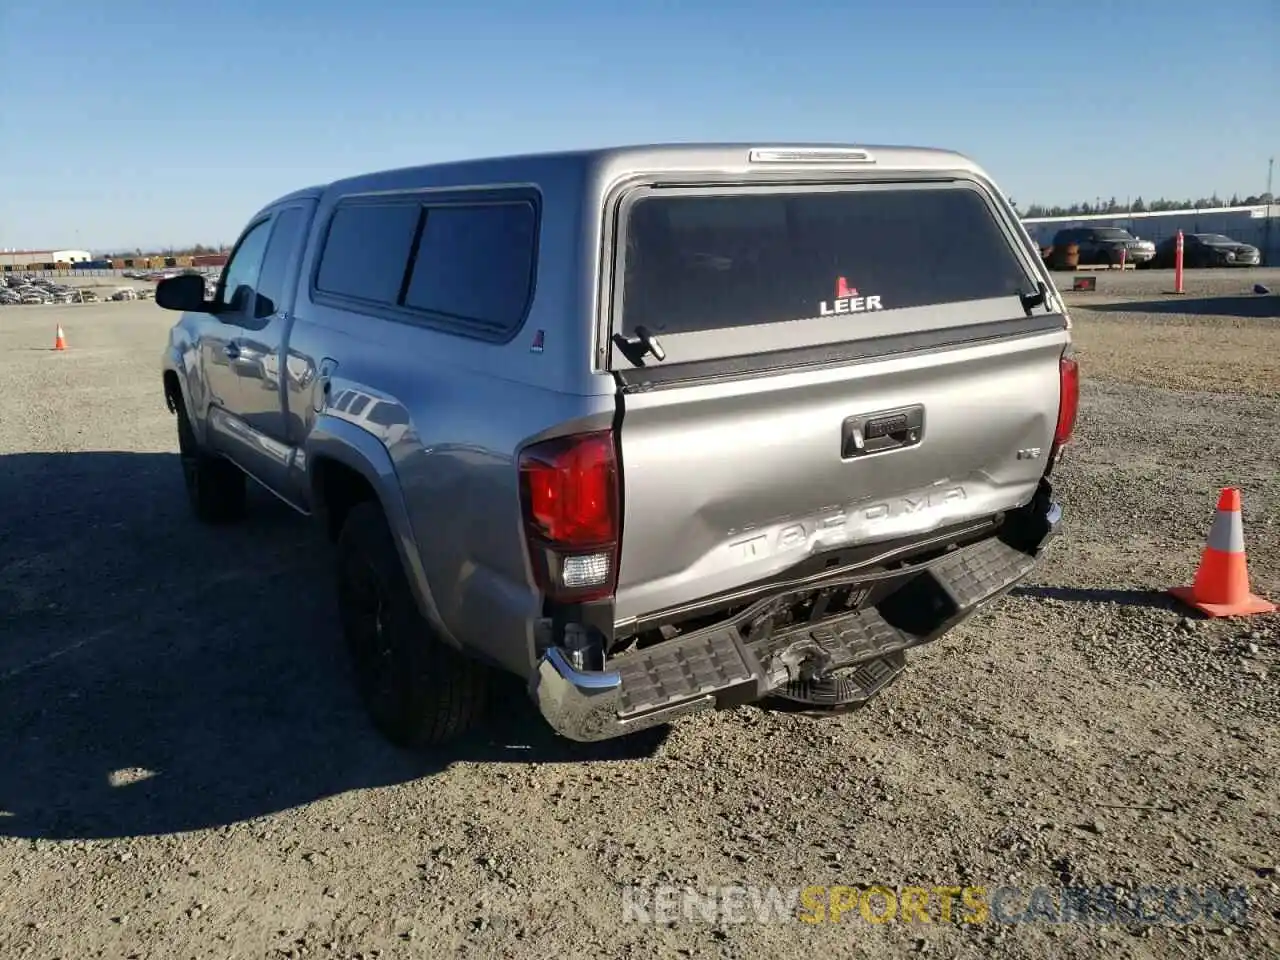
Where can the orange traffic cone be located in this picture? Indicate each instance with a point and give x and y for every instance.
(1221, 587)
(60, 341)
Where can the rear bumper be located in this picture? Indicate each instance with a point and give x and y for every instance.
(718, 666)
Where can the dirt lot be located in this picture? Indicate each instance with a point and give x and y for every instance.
(185, 772)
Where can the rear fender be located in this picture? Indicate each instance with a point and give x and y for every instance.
(359, 450)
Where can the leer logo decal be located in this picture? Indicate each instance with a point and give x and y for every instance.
(848, 300)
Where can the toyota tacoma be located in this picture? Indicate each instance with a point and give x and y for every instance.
(656, 429)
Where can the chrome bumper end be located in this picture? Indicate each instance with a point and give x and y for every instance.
(585, 705)
(581, 705)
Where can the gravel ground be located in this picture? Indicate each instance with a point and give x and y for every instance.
(185, 772)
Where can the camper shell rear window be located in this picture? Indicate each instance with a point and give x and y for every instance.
(696, 261)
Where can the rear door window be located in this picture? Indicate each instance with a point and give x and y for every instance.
(367, 249)
(475, 264)
(698, 263)
(463, 266)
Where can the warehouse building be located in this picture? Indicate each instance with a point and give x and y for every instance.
(23, 258)
(1257, 226)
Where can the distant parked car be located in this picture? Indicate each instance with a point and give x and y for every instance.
(1207, 250)
(1103, 246)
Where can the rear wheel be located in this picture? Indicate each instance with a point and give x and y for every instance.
(418, 690)
(215, 487)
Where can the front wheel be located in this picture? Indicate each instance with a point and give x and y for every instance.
(215, 487)
(418, 690)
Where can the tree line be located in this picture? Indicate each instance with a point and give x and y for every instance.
(1138, 205)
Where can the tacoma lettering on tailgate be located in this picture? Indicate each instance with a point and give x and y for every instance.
(835, 525)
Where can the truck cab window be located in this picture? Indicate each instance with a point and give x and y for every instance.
(286, 238)
(240, 280)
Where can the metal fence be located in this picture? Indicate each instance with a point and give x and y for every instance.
(105, 274)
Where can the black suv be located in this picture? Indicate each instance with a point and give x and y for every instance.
(1103, 245)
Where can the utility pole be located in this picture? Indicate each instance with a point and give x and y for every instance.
(1266, 243)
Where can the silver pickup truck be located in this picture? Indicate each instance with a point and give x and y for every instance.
(657, 429)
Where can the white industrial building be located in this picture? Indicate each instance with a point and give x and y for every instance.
(1258, 226)
(22, 258)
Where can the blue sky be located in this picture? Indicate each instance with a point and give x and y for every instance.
(150, 123)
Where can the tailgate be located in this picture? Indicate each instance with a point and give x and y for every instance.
(838, 367)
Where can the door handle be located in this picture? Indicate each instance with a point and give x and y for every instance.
(232, 350)
(882, 431)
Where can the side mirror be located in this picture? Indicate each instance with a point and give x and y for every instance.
(184, 293)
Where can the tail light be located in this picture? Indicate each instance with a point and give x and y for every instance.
(569, 496)
(1068, 403)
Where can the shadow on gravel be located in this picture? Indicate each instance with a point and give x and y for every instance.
(160, 676)
(1154, 599)
(1254, 306)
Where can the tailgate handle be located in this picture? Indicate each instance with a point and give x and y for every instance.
(882, 432)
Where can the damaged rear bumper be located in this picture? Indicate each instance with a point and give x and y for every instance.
(721, 666)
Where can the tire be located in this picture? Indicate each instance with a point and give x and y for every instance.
(215, 487)
(417, 690)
